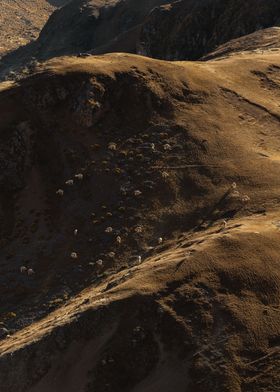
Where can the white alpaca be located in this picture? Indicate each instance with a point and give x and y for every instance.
(75, 232)
(74, 255)
(60, 192)
(118, 239)
(160, 240)
(23, 269)
(137, 193)
(30, 272)
(112, 146)
(69, 182)
(79, 176)
(99, 262)
(109, 230)
(235, 194)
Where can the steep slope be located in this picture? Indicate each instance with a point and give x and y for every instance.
(200, 309)
(81, 26)
(202, 316)
(197, 27)
(85, 25)
(21, 21)
(259, 41)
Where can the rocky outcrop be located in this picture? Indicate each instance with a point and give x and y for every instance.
(189, 29)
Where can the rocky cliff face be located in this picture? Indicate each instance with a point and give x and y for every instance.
(189, 29)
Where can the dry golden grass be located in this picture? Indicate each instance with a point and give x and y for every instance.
(207, 300)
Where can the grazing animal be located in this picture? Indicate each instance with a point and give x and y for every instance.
(109, 230)
(76, 232)
(60, 192)
(23, 269)
(79, 176)
(160, 240)
(118, 239)
(74, 255)
(139, 259)
(137, 193)
(69, 182)
(235, 194)
(99, 262)
(30, 272)
(112, 146)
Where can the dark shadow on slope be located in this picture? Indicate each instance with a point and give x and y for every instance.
(17, 58)
(58, 3)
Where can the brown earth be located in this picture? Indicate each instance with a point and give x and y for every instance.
(201, 310)
(22, 20)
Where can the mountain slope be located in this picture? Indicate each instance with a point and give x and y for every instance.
(197, 27)
(177, 30)
(84, 25)
(21, 21)
(259, 41)
(205, 294)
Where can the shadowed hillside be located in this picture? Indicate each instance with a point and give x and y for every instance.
(144, 197)
(197, 27)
